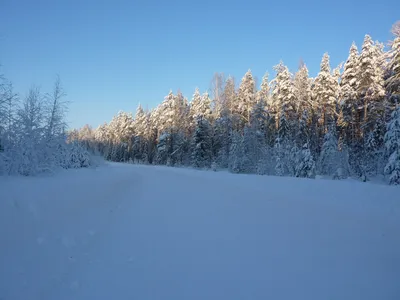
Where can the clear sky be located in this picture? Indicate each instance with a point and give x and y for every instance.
(111, 55)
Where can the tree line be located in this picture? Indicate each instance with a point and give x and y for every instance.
(344, 122)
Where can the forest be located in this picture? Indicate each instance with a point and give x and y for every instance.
(343, 123)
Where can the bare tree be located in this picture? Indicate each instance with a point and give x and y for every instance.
(301, 63)
(28, 158)
(56, 108)
(31, 114)
(8, 105)
(396, 29)
(217, 90)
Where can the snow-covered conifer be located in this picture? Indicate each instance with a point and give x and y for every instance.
(283, 93)
(328, 160)
(264, 92)
(236, 153)
(305, 164)
(246, 96)
(324, 93)
(392, 147)
(202, 150)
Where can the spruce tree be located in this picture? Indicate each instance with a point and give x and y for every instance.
(328, 160)
(236, 153)
(392, 147)
(222, 141)
(305, 164)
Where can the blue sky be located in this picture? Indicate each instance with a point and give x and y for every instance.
(111, 55)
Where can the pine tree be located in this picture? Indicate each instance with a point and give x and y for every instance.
(170, 120)
(370, 83)
(137, 144)
(194, 107)
(337, 88)
(302, 90)
(366, 70)
(246, 97)
(230, 103)
(205, 109)
(164, 115)
(264, 92)
(139, 123)
(283, 93)
(179, 112)
(348, 120)
(121, 127)
(151, 134)
(282, 147)
(324, 94)
(393, 80)
(304, 107)
(349, 77)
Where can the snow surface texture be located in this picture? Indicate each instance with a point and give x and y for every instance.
(143, 232)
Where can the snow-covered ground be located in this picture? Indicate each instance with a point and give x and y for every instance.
(145, 232)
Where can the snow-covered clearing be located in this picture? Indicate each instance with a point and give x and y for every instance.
(145, 232)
